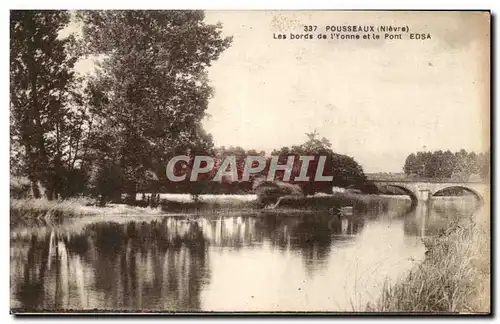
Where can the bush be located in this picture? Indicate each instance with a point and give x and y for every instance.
(107, 183)
(20, 188)
(268, 192)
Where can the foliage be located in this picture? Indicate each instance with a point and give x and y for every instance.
(268, 192)
(143, 103)
(438, 164)
(205, 184)
(20, 188)
(151, 88)
(114, 130)
(346, 172)
(43, 101)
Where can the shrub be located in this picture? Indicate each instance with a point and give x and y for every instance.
(268, 192)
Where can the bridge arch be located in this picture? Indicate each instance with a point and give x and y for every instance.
(472, 191)
(409, 192)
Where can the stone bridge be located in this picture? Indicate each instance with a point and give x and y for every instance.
(422, 191)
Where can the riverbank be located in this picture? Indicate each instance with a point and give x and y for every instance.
(335, 201)
(453, 278)
(30, 210)
(34, 211)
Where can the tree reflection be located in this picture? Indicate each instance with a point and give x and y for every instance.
(112, 266)
(30, 289)
(154, 265)
(311, 235)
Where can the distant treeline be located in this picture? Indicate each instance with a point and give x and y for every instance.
(461, 165)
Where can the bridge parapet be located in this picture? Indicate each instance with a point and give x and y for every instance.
(424, 190)
(429, 180)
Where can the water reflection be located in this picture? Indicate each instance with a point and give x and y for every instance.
(135, 266)
(267, 263)
(433, 218)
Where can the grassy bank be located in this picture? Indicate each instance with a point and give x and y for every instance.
(454, 277)
(31, 211)
(359, 202)
(249, 203)
(209, 206)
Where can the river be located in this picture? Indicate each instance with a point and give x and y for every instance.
(270, 262)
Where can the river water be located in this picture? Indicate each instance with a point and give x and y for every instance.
(268, 262)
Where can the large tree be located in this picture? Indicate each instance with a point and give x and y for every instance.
(346, 172)
(41, 80)
(152, 84)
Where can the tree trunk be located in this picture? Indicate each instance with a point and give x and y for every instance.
(130, 192)
(39, 142)
(155, 197)
(49, 194)
(32, 174)
(130, 197)
(34, 189)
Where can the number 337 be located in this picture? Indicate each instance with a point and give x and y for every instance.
(310, 28)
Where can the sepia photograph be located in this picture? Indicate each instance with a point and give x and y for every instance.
(250, 162)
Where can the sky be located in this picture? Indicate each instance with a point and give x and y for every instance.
(376, 100)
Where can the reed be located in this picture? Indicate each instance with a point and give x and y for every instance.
(31, 211)
(454, 277)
